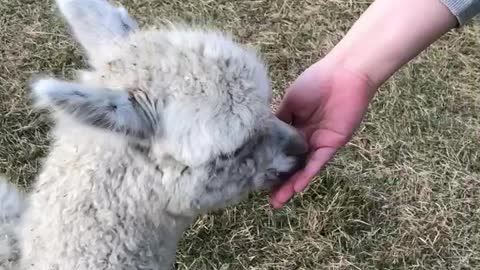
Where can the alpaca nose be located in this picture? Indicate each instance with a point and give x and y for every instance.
(296, 145)
(292, 141)
(297, 148)
(300, 162)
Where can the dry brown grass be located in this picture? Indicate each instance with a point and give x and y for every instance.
(405, 194)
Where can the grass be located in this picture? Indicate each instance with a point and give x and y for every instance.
(404, 194)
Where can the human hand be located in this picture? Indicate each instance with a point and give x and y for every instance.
(326, 103)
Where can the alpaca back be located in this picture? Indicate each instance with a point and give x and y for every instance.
(95, 205)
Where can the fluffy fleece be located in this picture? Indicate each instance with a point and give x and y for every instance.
(165, 125)
(12, 205)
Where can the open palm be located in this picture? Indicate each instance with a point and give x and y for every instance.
(327, 105)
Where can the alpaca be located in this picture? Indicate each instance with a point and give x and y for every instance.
(12, 205)
(165, 125)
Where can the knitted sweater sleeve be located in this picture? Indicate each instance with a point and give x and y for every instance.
(463, 10)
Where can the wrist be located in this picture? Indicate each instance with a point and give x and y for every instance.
(344, 77)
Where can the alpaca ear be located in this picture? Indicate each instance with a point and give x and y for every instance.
(96, 24)
(112, 110)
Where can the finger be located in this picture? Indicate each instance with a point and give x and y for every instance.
(282, 193)
(316, 162)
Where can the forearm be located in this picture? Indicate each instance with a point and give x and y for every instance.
(389, 34)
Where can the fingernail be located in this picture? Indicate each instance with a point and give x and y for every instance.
(275, 204)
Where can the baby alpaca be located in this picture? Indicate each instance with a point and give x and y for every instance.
(12, 204)
(167, 124)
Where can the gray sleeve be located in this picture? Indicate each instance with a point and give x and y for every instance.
(464, 10)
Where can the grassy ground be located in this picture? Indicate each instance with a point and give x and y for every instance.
(405, 194)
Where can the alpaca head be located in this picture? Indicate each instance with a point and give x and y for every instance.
(192, 96)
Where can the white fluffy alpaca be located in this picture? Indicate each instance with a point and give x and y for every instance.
(166, 125)
(12, 205)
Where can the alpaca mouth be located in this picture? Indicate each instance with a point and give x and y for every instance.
(280, 177)
(300, 163)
